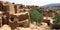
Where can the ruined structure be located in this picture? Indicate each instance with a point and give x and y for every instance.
(19, 20)
(14, 15)
(47, 15)
(17, 15)
(33, 7)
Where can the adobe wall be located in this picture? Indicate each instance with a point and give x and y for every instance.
(19, 20)
(1, 14)
(9, 7)
(18, 8)
(15, 9)
(1, 4)
(32, 7)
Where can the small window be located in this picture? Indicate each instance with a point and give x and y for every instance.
(24, 10)
(21, 7)
(12, 19)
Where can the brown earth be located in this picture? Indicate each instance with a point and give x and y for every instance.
(44, 26)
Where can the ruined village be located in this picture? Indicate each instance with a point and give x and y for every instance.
(18, 15)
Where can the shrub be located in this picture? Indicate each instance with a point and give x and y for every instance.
(36, 16)
(57, 19)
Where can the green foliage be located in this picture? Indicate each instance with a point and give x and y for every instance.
(36, 16)
(57, 19)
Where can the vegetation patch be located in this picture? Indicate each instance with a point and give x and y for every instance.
(36, 16)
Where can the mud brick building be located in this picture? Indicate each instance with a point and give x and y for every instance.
(17, 15)
(14, 15)
(7, 8)
(19, 20)
(19, 8)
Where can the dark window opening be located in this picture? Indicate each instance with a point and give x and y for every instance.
(21, 25)
(23, 17)
(2, 20)
(21, 7)
(24, 10)
(12, 19)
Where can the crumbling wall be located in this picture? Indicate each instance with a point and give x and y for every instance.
(1, 4)
(19, 8)
(14, 15)
(9, 7)
(1, 14)
(32, 7)
(19, 20)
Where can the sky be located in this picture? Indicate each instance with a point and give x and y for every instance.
(33, 2)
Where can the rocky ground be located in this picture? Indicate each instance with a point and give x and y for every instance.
(44, 26)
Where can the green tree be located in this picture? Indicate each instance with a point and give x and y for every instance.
(57, 19)
(36, 16)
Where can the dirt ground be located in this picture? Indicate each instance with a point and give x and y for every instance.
(44, 26)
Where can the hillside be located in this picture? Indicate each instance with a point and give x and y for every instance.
(53, 6)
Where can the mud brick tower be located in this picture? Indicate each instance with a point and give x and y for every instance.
(8, 8)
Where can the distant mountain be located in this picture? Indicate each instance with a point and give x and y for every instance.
(53, 5)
